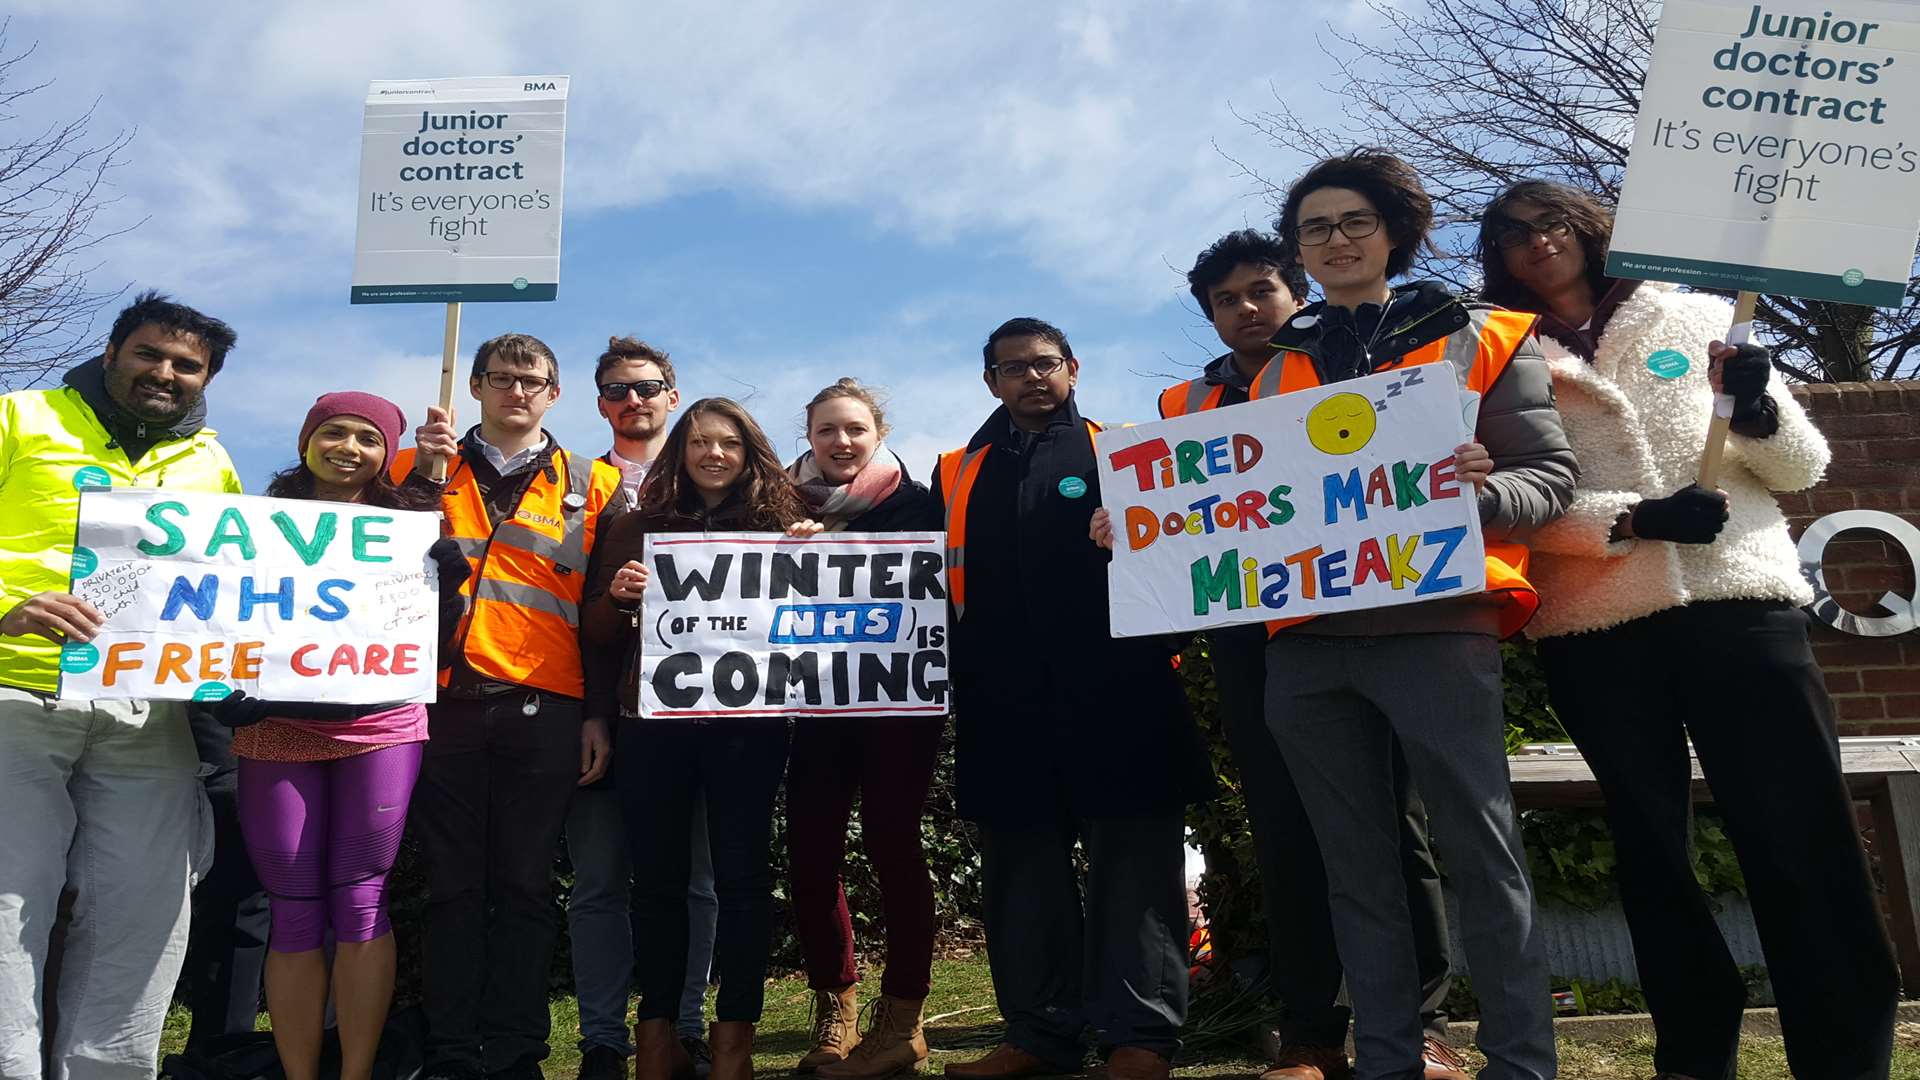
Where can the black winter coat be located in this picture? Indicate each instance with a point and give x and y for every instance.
(1053, 715)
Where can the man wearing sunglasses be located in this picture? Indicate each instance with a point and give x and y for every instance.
(1062, 733)
(508, 740)
(636, 395)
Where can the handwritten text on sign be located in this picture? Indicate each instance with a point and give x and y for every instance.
(747, 624)
(1332, 499)
(287, 599)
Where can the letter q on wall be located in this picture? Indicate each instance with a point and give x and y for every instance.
(1813, 547)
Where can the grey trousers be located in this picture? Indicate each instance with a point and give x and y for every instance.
(101, 798)
(1118, 964)
(1336, 704)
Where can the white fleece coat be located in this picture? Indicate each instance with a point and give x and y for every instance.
(1638, 436)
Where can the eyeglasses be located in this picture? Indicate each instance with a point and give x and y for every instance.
(1042, 366)
(506, 380)
(1517, 234)
(648, 389)
(1354, 226)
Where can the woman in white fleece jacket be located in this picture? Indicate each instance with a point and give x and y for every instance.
(1670, 612)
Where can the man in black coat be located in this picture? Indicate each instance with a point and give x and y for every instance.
(1063, 732)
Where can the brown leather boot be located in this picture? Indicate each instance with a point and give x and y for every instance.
(1006, 1062)
(656, 1051)
(1299, 1062)
(732, 1043)
(894, 1042)
(1137, 1063)
(836, 1028)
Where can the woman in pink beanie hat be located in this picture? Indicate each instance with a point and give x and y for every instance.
(324, 786)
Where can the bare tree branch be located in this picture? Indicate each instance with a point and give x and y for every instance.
(1476, 94)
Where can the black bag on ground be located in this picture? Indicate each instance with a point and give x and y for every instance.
(251, 1056)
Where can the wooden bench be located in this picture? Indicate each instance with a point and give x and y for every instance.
(1883, 772)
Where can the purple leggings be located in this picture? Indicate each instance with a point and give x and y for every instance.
(323, 835)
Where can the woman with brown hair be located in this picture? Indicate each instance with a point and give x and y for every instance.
(1670, 613)
(852, 482)
(717, 472)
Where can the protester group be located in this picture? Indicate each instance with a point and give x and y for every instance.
(1665, 614)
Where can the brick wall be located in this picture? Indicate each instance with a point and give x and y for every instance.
(1874, 429)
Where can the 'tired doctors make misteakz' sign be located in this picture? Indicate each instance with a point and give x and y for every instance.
(747, 624)
(1332, 499)
(287, 599)
(460, 183)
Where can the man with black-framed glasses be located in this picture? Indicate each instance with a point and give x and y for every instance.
(635, 391)
(509, 741)
(1062, 733)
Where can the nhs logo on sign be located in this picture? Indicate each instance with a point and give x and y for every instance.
(838, 624)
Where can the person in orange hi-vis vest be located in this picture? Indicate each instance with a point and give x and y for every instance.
(1248, 286)
(1342, 688)
(1062, 732)
(508, 739)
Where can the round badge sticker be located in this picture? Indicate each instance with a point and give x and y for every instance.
(520, 283)
(85, 562)
(91, 476)
(212, 691)
(1853, 278)
(76, 657)
(1073, 487)
(1668, 363)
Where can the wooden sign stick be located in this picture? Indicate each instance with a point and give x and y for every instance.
(1741, 332)
(449, 358)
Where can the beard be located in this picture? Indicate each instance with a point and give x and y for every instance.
(638, 426)
(126, 388)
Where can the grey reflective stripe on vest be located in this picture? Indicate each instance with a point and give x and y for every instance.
(1197, 391)
(956, 556)
(1463, 346)
(471, 546)
(1267, 383)
(527, 596)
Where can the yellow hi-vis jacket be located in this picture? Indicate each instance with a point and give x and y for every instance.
(52, 445)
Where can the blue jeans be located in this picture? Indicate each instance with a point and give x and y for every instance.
(600, 926)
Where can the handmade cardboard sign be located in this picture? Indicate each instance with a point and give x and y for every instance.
(748, 624)
(1332, 499)
(1777, 150)
(287, 599)
(460, 190)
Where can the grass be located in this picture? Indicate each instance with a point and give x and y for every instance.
(965, 1024)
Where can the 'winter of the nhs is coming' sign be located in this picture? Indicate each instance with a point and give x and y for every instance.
(1777, 150)
(753, 624)
(460, 190)
(1332, 499)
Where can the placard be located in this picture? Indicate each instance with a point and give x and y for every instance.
(460, 184)
(748, 624)
(287, 599)
(1337, 498)
(1777, 150)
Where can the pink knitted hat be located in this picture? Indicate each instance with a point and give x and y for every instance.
(372, 408)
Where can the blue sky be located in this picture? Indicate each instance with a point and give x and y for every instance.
(778, 194)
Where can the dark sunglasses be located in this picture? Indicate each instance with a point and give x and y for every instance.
(648, 389)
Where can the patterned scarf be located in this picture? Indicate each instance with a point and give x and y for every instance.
(834, 505)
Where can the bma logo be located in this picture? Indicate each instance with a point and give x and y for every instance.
(1813, 547)
(532, 86)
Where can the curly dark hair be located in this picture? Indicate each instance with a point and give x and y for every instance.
(155, 308)
(769, 501)
(1391, 185)
(1592, 224)
(1252, 246)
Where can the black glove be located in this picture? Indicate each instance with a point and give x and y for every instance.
(1744, 375)
(451, 564)
(1692, 515)
(237, 710)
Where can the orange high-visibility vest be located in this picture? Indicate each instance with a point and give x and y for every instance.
(1191, 396)
(1479, 353)
(958, 470)
(523, 598)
